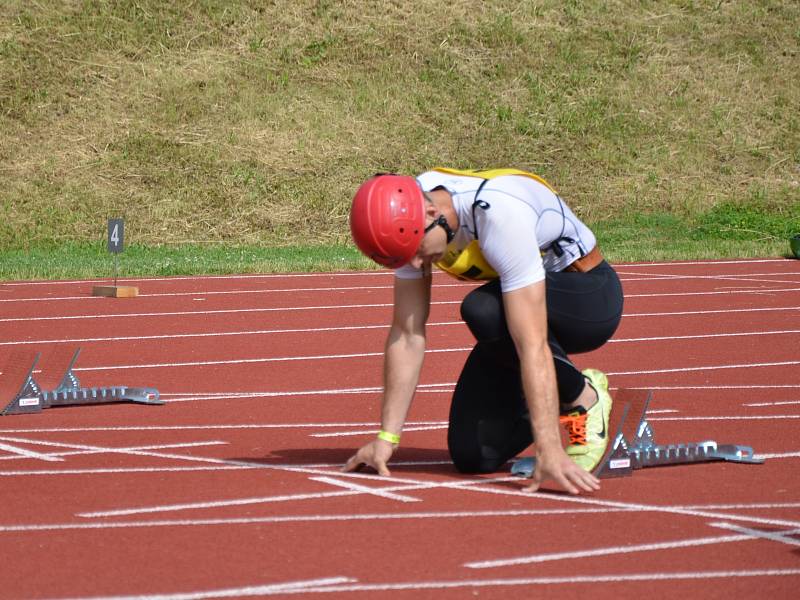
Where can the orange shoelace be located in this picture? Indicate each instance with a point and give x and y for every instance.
(576, 428)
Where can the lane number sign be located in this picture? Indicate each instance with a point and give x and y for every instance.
(116, 235)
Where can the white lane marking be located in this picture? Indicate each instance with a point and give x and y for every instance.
(755, 386)
(191, 397)
(398, 464)
(243, 361)
(212, 312)
(392, 516)
(150, 453)
(198, 278)
(252, 466)
(777, 455)
(373, 431)
(649, 277)
(758, 291)
(297, 469)
(23, 453)
(662, 277)
(274, 589)
(375, 273)
(359, 328)
(407, 484)
(681, 263)
(402, 485)
(143, 510)
(211, 426)
(775, 536)
(215, 334)
(246, 395)
(343, 307)
(708, 312)
(319, 518)
(202, 293)
(349, 485)
(785, 363)
(289, 587)
(608, 551)
(131, 448)
(702, 336)
(364, 426)
(727, 418)
(668, 510)
(530, 581)
(740, 506)
(757, 277)
(781, 403)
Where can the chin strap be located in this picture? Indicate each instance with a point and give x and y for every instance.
(442, 222)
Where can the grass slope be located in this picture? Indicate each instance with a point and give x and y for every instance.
(225, 128)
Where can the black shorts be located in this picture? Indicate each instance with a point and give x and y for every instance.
(489, 421)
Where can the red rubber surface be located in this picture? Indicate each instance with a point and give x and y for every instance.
(232, 488)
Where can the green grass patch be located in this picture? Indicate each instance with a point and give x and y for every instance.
(727, 231)
(91, 261)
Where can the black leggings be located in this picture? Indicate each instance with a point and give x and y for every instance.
(489, 422)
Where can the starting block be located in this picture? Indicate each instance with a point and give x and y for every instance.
(633, 445)
(58, 386)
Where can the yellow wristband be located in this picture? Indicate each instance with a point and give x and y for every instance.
(392, 438)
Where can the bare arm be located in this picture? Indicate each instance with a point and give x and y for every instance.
(403, 356)
(526, 313)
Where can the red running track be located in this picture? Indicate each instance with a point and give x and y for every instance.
(232, 488)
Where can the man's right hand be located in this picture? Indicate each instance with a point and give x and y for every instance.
(375, 454)
(556, 465)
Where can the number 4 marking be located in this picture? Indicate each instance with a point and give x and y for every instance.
(116, 234)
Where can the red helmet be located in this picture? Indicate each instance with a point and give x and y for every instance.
(387, 219)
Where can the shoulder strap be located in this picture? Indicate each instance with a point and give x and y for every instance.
(479, 204)
(492, 173)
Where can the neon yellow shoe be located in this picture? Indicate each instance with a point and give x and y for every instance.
(588, 429)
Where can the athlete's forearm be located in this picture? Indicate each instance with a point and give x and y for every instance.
(404, 354)
(541, 393)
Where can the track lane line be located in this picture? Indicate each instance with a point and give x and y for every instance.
(471, 485)
(347, 517)
(376, 273)
(243, 361)
(607, 551)
(271, 589)
(344, 307)
(364, 328)
(781, 537)
(349, 588)
(59, 455)
(17, 452)
(625, 278)
(349, 485)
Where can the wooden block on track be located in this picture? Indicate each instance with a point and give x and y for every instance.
(115, 291)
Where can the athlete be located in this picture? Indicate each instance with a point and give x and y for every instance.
(548, 293)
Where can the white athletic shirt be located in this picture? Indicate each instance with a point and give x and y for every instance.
(517, 222)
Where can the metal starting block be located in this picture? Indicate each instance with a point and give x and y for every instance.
(622, 456)
(58, 386)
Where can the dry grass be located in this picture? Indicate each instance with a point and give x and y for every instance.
(252, 123)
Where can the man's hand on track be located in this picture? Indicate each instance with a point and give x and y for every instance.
(559, 467)
(375, 454)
